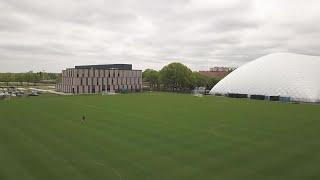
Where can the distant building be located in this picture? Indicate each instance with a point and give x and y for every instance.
(217, 72)
(100, 78)
(223, 69)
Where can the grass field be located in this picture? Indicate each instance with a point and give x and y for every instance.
(158, 136)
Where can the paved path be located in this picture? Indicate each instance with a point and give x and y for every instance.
(49, 91)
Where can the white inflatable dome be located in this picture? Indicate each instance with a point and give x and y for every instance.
(281, 74)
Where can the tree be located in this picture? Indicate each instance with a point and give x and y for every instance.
(28, 77)
(152, 77)
(212, 82)
(176, 76)
(199, 80)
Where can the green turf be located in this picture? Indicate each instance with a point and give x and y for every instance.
(157, 136)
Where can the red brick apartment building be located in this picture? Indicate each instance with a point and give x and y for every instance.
(217, 72)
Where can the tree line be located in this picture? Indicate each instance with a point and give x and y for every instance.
(177, 77)
(30, 77)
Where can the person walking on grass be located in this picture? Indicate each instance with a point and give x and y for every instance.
(83, 120)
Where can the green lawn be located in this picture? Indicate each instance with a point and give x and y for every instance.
(157, 136)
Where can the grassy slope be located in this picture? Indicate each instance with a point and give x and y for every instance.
(157, 136)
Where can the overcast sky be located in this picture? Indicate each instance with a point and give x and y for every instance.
(54, 34)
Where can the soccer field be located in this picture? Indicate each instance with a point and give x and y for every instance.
(157, 136)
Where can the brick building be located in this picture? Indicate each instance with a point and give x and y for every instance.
(217, 72)
(100, 78)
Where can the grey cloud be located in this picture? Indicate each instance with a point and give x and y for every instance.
(45, 49)
(149, 34)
